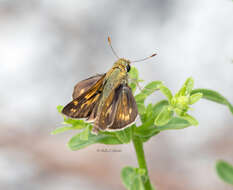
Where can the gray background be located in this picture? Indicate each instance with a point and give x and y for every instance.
(48, 46)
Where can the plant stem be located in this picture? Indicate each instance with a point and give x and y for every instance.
(138, 146)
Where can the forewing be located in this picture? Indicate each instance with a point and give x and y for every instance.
(92, 116)
(126, 109)
(83, 105)
(85, 85)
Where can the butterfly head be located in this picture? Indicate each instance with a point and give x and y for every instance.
(123, 63)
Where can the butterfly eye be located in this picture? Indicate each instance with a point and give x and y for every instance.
(128, 68)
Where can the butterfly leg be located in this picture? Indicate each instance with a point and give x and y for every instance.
(95, 130)
(136, 82)
(138, 85)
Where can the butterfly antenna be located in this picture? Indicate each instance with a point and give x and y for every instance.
(110, 44)
(139, 60)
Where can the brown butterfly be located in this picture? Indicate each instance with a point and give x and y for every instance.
(106, 100)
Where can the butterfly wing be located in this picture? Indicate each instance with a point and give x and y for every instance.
(85, 85)
(119, 111)
(126, 111)
(106, 117)
(84, 102)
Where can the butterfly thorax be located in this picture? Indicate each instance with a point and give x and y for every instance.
(114, 77)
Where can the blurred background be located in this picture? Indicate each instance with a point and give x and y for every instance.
(46, 47)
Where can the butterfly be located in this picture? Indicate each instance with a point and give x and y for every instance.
(105, 100)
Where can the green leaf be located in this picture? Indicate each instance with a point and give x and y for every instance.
(152, 111)
(137, 184)
(84, 134)
(190, 119)
(132, 178)
(186, 88)
(75, 125)
(195, 97)
(151, 87)
(147, 90)
(174, 123)
(166, 92)
(127, 176)
(230, 107)
(158, 107)
(59, 108)
(125, 135)
(62, 129)
(133, 87)
(181, 91)
(147, 114)
(133, 74)
(145, 139)
(225, 171)
(163, 117)
(189, 83)
(77, 143)
(213, 96)
(141, 108)
(140, 98)
(146, 132)
(147, 129)
(78, 124)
